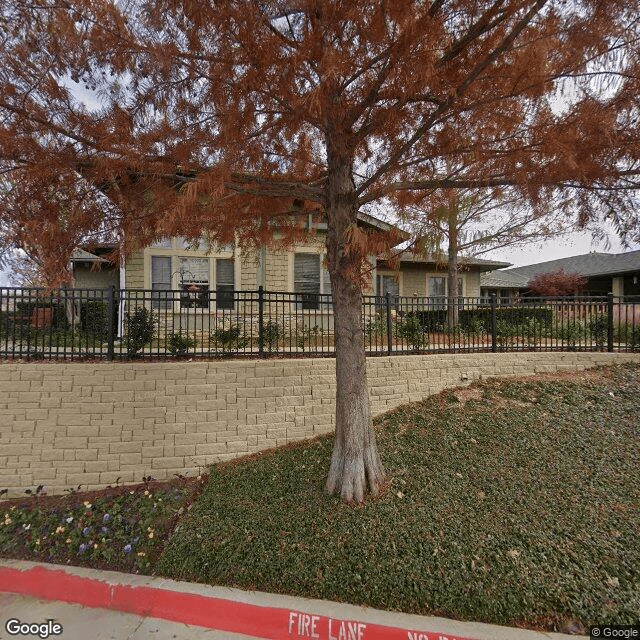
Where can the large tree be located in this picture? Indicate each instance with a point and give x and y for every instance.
(225, 116)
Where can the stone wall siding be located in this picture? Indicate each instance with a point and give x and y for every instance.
(64, 425)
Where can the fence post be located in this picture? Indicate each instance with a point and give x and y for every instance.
(610, 322)
(261, 321)
(111, 320)
(389, 324)
(493, 322)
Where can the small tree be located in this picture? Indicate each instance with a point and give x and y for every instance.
(557, 284)
(473, 222)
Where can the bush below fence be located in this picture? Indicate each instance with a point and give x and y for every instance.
(105, 323)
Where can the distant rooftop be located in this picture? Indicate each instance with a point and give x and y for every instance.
(485, 265)
(588, 265)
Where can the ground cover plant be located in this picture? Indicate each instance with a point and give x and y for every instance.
(121, 528)
(513, 502)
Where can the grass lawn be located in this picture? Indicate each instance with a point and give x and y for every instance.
(512, 502)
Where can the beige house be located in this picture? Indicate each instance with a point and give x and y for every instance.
(174, 264)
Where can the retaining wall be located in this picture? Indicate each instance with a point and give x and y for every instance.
(64, 425)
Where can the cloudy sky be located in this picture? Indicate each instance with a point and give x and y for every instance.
(573, 244)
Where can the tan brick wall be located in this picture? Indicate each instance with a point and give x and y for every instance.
(62, 425)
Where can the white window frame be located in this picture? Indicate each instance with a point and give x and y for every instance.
(175, 252)
(325, 284)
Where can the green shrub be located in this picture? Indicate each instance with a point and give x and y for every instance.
(431, 320)
(5, 323)
(505, 331)
(411, 330)
(571, 332)
(140, 330)
(179, 344)
(305, 335)
(478, 320)
(598, 329)
(273, 332)
(532, 330)
(230, 339)
(377, 325)
(474, 327)
(629, 335)
(94, 320)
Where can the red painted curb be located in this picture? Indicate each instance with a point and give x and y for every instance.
(270, 623)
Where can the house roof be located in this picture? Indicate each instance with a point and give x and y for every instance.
(485, 265)
(587, 265)
(80, 255)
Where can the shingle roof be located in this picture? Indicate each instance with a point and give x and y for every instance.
(589, 264)
(485, 265)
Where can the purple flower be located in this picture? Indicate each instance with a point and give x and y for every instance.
(104, 530)
(106, 518)
(128, 548)
(86, 531)
(82, 548)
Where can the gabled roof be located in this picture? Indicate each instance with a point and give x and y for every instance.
(80, 255)
(588, 265)
(485, 265)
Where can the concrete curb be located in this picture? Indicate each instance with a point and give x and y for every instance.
(262, 615)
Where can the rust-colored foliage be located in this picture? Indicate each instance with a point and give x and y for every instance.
(140, 119)
(557, 283)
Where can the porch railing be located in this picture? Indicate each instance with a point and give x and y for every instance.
(71, 324)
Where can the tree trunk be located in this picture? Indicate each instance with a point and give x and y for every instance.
(452, 270)
(355, 462)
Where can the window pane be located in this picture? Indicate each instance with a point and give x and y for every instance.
(160, 281)
(224, 272)
(194, 275)
(306, 279)
(437, 289)
(194, 270)
(388, 284)
(225, 284)
(437, 286)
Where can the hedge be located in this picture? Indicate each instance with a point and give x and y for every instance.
(436, 319)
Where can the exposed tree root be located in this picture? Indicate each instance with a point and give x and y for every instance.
(353, 474)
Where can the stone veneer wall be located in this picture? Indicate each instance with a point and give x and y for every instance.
(66, 424)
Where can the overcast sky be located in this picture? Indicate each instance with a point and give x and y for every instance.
(573, 244)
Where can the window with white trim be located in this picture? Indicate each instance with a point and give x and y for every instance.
(225, 283)
(438, 290)
(311, 280)
(161, 282)
(194, 283)
(388, 283)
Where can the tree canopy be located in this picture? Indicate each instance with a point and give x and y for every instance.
(146, 119)
(557, 283)
(236, 99)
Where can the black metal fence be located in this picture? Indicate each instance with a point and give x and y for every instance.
(109, 324)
